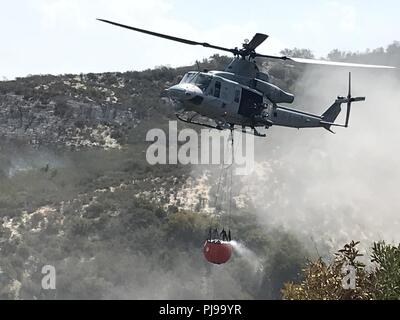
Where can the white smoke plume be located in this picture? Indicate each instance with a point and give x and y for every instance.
(334, 188)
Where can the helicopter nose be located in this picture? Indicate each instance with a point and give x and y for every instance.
(184, 92)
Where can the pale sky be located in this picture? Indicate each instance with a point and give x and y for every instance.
(62, 36)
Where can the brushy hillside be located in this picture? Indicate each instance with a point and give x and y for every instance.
(77, 193)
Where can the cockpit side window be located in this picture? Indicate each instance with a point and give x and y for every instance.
(202, 81)
(237, 95)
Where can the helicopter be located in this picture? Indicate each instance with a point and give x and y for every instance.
(243, 96)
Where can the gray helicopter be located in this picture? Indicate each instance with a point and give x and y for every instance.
(242, 96)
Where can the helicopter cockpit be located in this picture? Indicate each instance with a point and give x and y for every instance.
(199, 79)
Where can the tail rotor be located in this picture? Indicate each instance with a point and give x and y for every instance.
(332, 113)
(348, 103)
(350, 100)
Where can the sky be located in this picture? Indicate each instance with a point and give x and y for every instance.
(63, 36)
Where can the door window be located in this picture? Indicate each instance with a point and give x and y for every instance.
(217, 91)
(237, 96)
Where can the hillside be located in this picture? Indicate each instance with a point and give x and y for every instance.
(77, 193)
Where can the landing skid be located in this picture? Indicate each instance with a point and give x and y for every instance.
(218, 126)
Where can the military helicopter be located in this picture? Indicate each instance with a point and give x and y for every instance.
(242, 96)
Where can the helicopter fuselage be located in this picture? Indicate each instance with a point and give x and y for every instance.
(219, 96)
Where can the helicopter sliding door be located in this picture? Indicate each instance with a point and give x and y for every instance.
(249, 103)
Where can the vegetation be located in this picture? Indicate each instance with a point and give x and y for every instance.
(329, 281)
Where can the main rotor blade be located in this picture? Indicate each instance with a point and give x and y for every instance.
(340, 64)
(258, 39)
(160, 35)
(325, 62)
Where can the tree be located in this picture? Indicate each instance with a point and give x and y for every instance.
(337, 55)
(387, 273)
(326, 281)
(298, 53)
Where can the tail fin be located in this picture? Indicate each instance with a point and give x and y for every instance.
(330, 115)
(333, 112)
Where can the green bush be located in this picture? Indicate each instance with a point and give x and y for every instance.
(324, 281)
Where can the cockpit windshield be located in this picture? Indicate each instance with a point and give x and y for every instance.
(199, 79)
(188, 77)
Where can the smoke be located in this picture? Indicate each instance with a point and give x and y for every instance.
(19, 159)
(191, 277)
(334, 188)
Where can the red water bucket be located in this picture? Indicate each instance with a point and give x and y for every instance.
(217, 252)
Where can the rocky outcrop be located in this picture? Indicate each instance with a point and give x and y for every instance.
(63, 123)
(75, 111)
